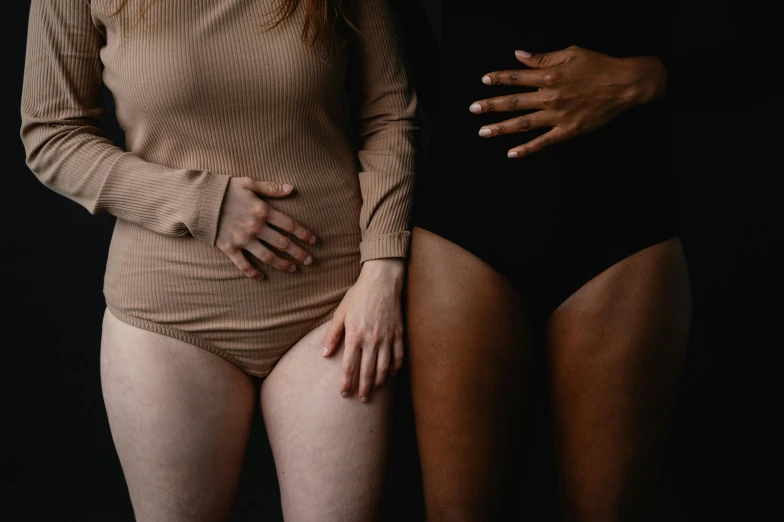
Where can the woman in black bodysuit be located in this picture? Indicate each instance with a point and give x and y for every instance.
(578, 231)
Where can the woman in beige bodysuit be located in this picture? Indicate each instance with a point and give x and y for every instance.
(250, 234)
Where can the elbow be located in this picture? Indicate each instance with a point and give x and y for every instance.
(44, 142)
(33, 148)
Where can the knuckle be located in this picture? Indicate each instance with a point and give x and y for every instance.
(368, 373)
(550, 79)
(289, 225)
(552, 101)
(383, 368)
(524, 123)
(497, 129)
(514, 77)
(282, 243)
(254, 228)
(267, 256)
(274, 187)
(348, 369)
(494, 79)
(261, 210)
(488, 105)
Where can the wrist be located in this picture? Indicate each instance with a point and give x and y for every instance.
(649, 79)
(390, 270)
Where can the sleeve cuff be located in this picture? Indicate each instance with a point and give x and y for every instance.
(390, 245)
(209, 209)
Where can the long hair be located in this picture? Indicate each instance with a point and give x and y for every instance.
(324, 19)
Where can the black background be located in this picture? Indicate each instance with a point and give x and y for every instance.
(58, 460)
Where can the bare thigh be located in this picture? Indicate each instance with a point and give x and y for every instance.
(616, 350)
(330, 452)
(468, 343)
(180, 419)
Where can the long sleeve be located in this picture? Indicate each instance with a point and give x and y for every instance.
(67, 149)
(386, 128)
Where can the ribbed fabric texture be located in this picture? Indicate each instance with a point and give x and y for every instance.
(205, 92)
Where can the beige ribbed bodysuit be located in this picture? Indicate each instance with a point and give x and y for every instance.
(204, 92)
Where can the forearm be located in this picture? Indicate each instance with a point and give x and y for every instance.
(67, 150)
(387, 127)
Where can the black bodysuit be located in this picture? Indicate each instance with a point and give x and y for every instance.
(551, 221)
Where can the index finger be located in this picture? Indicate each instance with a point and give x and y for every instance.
(284, 222)
(526, 77)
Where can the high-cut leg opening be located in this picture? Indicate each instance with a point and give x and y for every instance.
(189, 338)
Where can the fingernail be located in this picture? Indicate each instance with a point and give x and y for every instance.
(324, 353)
(293, 268)
(287, 187)
(312, 240)
(344, 394)
(523, 54)
(486, 80)
(363, 399)
(512, 154)
(308, 260)
(485, 132)
(475, 108)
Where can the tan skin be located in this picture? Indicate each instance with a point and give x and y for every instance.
(615, 347)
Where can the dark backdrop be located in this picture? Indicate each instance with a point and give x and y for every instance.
(58, 461)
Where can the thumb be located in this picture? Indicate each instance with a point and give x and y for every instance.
(541, 60)
(271, 189)
(332, 337)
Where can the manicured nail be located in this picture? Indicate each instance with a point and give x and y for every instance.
(512, 154)
(293, 268)
(485, 132)
(287, 187)
(308, 260)
(523, 54)
(486, 80)
(363, 399)
(475, 108)
(312, 240)
(324, 353)
(344, 394)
